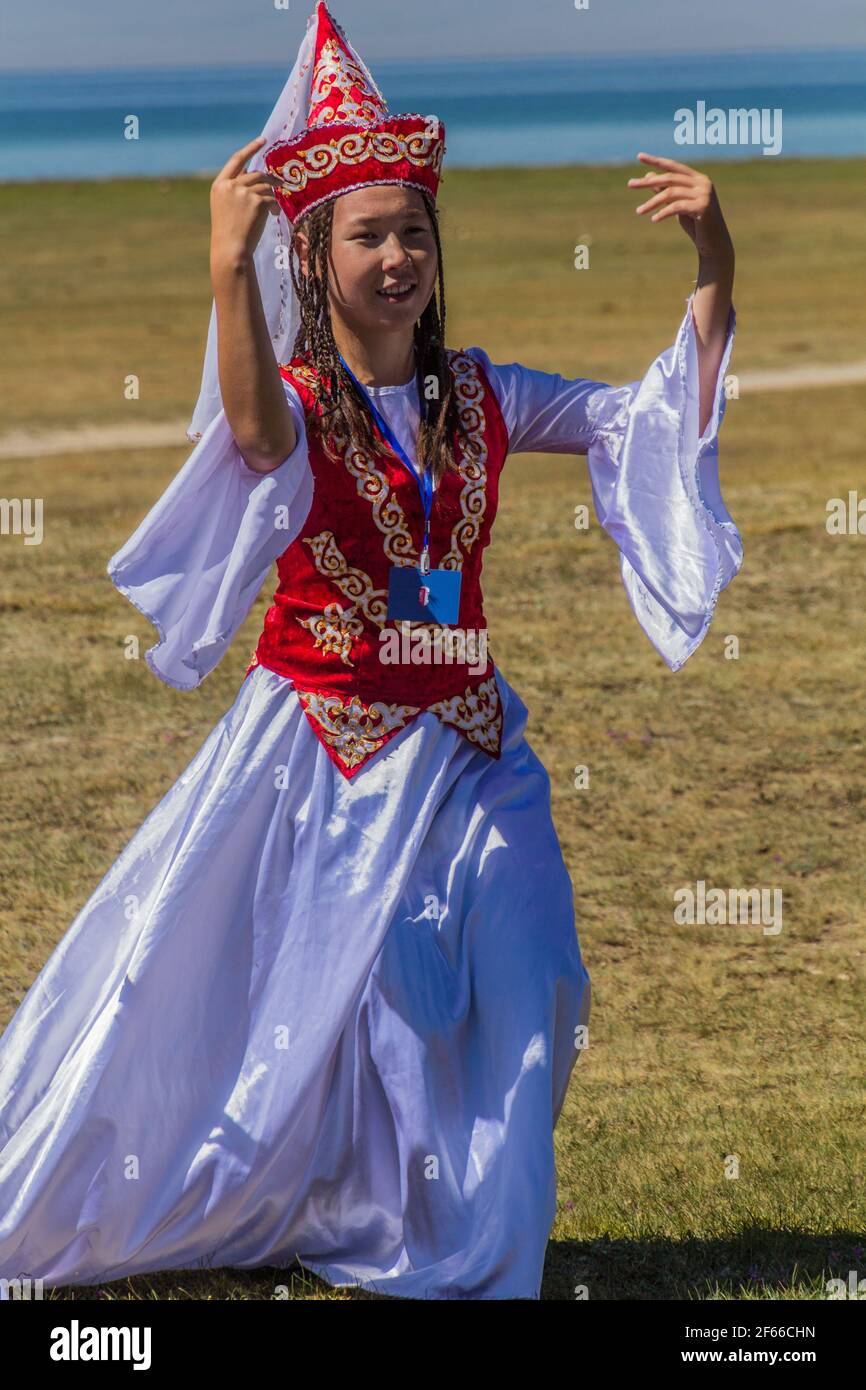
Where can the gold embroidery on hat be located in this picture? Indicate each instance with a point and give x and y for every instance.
(387, 147)
(336, 70)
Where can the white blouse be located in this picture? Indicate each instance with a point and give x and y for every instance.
(197, 562)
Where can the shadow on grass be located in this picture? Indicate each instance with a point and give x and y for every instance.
(757, 1263)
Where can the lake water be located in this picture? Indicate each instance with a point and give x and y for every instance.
(593, 110)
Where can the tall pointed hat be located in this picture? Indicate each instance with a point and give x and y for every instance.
(329, 132)
(351, 140)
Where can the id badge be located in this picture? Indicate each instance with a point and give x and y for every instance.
(407, 587)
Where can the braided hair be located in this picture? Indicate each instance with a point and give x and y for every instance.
(344, 414)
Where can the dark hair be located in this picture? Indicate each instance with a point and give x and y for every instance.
(345, 415)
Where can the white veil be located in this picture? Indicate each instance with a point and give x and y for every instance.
(271, 256)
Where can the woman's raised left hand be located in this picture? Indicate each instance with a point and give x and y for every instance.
(690, 194)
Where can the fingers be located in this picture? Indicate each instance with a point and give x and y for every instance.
(267, 198)
(235, 162)
(691, 205)
(244, 185)
(664, 163)
(680, 182)
(669, 187)
(647, 180)
(652, 203)
(676, 189)
(256, 177)
(676, 208)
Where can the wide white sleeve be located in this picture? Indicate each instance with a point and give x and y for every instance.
(655, 482)
(195, 565)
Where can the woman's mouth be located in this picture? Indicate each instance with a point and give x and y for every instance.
(394, 293)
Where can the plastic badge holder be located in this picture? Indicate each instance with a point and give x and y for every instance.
(404, 590)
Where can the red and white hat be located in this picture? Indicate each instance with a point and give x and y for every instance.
(329, 132)
(351, 140)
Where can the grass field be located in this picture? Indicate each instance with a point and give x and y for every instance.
(706, 1041)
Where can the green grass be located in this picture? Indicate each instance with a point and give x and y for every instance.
(705, 1041)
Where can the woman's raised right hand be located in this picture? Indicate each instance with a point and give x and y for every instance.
(239, 205)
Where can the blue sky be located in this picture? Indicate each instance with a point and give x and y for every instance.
(80, 34)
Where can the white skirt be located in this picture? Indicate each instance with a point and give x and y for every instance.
(306, 1017)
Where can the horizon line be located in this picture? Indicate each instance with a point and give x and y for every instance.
(495, 169)
(559, 55)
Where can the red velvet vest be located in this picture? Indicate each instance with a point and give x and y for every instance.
(323, 628)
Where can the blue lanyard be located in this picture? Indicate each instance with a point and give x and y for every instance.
(425, 482)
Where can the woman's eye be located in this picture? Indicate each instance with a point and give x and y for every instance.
(374, 236)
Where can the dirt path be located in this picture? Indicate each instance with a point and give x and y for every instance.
(91, 438)
(806, 378)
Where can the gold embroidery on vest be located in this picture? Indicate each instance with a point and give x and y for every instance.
(303, 373)
(372, 482)
(476, 713)
(351, 727)
(334, 630)
(472, 465)
(352, 583)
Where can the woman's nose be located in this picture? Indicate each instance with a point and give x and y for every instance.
(394, 254)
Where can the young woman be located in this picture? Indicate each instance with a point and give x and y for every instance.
(327, 1002)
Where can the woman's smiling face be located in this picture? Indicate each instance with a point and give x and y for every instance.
(383, 260)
